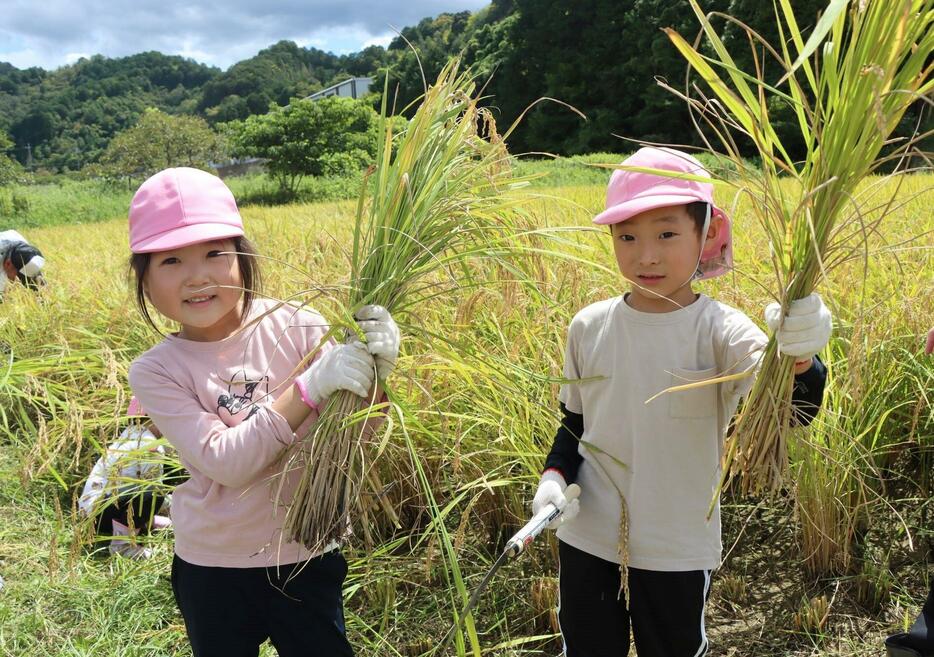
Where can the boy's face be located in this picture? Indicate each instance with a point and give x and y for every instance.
(657, 252)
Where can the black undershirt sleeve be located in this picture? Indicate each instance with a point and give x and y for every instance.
(564, 456)
(807, 396)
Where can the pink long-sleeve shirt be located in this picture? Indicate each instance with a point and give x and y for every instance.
(212, 401)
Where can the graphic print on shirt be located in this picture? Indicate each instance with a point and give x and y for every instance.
(239, 398)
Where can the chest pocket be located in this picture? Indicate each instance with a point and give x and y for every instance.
(699, 402)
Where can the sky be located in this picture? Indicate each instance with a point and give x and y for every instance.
(52, 33)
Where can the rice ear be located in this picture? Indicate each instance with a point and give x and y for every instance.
(440, 195)
(850, 84)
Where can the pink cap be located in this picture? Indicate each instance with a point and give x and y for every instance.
(632, 192)
(134, 408)
(182, 206)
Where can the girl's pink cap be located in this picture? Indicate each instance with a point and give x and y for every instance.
(182, 206)
(632, 192)
(135, 409)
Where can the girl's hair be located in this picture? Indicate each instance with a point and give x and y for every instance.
(246, 260)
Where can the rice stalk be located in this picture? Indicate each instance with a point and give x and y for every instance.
(849, 85)
(437, 199)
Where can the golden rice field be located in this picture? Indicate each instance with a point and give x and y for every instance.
(840, 559)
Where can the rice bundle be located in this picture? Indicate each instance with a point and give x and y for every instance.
(437, 197)
(849, 85)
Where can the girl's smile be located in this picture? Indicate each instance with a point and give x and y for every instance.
(198, 286)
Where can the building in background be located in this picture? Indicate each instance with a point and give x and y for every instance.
(350, 88)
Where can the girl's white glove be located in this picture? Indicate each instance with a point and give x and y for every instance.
(806, 328)
(344, 367)
(551, 491)
(382, 337)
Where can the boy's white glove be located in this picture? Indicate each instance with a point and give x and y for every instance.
(382, 337)
(551, 491)
(344, 367)
(806, 328)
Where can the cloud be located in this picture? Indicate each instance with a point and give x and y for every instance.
(51, 33)
(72, 57)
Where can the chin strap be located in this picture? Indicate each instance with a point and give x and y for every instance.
(697, 269)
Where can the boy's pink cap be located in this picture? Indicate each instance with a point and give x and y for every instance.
(135, 409)
(182, 206)
(632, 192)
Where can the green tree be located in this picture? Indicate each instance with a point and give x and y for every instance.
(9, 168)
(159, 141)
(308, 138)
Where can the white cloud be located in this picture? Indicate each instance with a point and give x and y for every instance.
(49, 32)
(383, 41)
(72, 57)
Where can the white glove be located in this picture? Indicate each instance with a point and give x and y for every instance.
(551, 491)
(382, 337)
(806, 328)
(345, 367)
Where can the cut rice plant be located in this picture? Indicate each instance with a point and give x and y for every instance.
(849, 85)
(437, 199)
(811, 617)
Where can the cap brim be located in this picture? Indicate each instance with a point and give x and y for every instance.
(183, 236)
(631, 208)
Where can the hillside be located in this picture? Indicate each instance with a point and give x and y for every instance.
(599, 56)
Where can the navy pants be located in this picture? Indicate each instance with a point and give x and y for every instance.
(666, 611)
(138, 508)
(230, 612)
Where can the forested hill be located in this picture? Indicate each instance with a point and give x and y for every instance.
(602, 56)
(65, 118)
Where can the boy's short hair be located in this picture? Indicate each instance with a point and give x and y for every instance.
(698, 212)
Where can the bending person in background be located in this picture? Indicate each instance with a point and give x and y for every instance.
(126, 488)
(20, 260)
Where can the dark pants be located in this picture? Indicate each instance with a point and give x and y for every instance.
(229, 612)
(136, 509)
(666, 611)
(920, 637)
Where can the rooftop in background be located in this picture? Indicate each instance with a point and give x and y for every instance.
(350, 88)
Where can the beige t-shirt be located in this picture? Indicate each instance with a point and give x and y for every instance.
(664, 456)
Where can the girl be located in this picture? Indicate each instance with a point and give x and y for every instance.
(220, 389)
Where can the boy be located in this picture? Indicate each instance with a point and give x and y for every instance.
(661, 459)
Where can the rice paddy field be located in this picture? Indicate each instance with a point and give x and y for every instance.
(842, 556)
